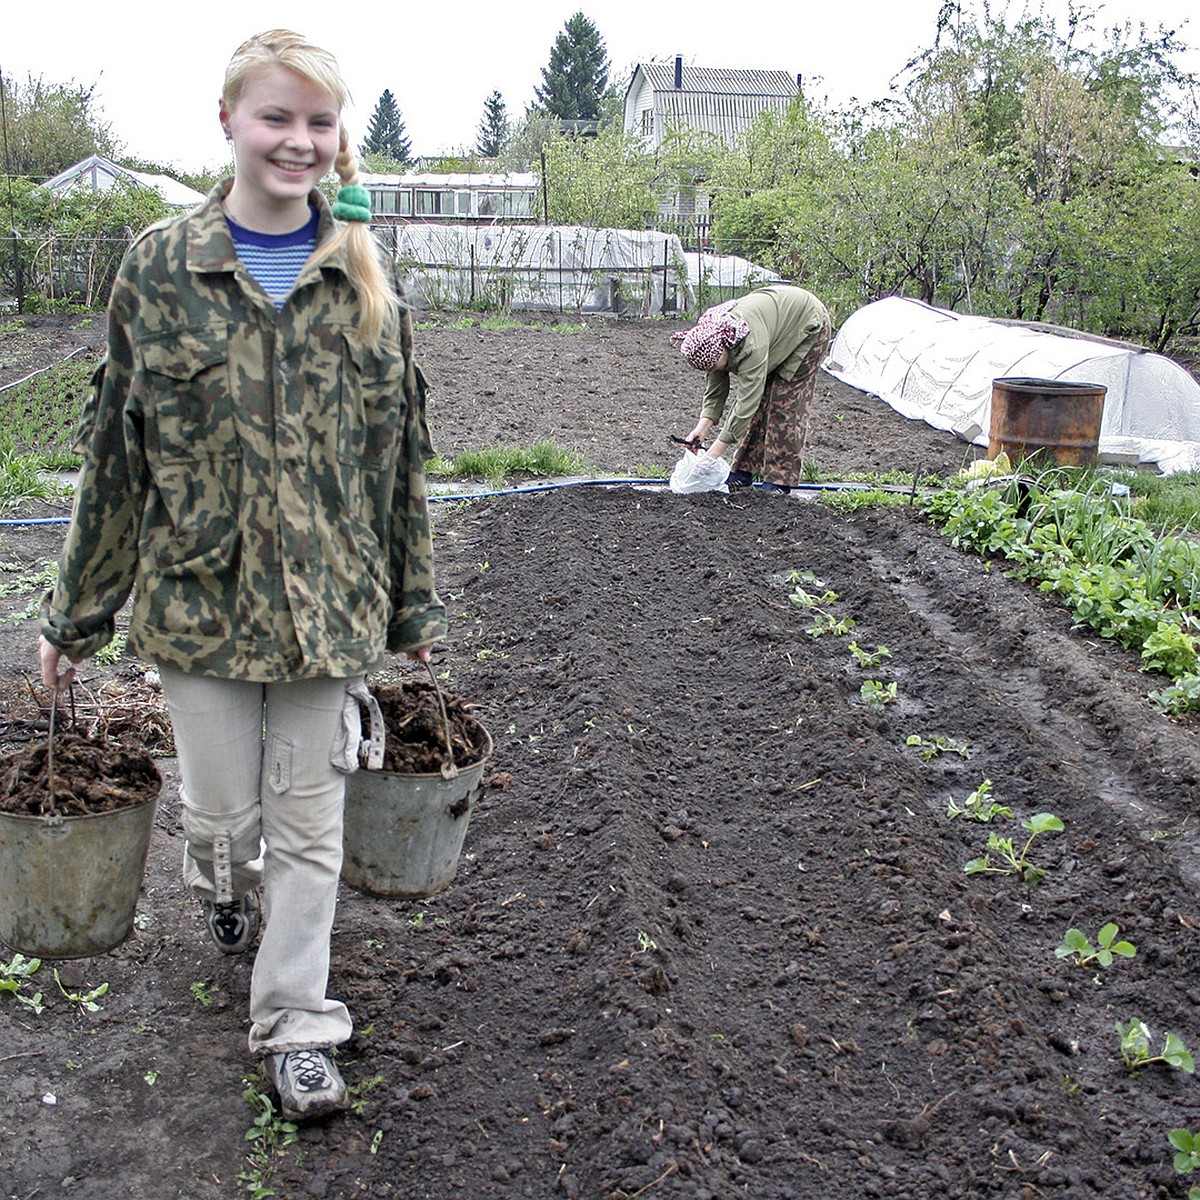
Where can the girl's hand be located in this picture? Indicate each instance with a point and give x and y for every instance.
(421, 654)
(50, 658)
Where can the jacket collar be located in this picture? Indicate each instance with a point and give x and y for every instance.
(210, 245)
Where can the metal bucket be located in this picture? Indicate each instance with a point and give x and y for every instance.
(403, 834)
(1050, 420)
(69, 884)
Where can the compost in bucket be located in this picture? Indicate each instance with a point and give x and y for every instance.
(73, 844)
(1052, 420)
(405, 825)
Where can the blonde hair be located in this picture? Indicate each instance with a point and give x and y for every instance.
(378, 304)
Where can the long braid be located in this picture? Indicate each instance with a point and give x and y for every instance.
(378, 304)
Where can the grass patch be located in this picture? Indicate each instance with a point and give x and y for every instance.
(42, 414)
(499, 463)
(1168, 503)
(21, 476)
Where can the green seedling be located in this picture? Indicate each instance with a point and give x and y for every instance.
(358, 1093)
(826, 623)
(200, 993)
(878, 695)
(1009, 860)
(936, 745)
(13, 974)
(268, 1137)
(1075, 943)
(376, 1141)
(645, 943)
(85, 1000)
(869, 658)
(111, 653)
(1187, 1155)
(980, 806)
(1135, 1048)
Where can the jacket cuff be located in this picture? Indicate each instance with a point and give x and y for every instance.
(411, 629)
(65, 635)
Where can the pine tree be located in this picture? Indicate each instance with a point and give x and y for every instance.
(577, 75)
(385, 132)
(493, 129)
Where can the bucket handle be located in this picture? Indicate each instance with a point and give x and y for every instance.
(449, 769)
(54, 695)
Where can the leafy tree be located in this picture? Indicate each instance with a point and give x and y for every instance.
(493, 129)
(575, 80)
(385, 133)
(51, 126)
(598, 181)
(68, 246)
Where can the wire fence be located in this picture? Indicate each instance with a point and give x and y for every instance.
(481, 267)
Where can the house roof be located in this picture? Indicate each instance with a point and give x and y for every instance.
(95, 170)
(718, 80)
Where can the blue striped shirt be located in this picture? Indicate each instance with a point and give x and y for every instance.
(275, 259)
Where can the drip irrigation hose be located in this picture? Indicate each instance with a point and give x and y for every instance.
(550, 487)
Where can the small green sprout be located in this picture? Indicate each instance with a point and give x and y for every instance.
(358, 1093)
(878, 694)
(201, 994)
(933, 746)
(1075, 943)
(1187, 1155)
(85, 1000)
(869, 658)
(1011, 861)
(1135, 1048)
(979, 806)
(645, 943)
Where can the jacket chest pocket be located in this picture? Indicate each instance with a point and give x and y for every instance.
(373, 404)
(188, 401)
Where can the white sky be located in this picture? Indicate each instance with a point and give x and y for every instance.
(158, 67)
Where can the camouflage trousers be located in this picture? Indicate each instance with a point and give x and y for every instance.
(773, 448)
(255, 765)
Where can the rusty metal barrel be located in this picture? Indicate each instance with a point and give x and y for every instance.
(1051, 421)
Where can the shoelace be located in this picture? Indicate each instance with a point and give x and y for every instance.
(308, 1069)
(229, 918)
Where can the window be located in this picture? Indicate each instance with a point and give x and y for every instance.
(518, 204)
(647, 122)
(391, 202)
(435, 204)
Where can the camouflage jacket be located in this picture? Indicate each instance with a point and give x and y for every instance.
(257, 478)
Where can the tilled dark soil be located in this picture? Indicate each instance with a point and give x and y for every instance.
(711, 934)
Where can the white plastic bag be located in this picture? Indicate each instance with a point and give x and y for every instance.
(699, 473)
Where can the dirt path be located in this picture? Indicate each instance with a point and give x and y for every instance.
(711, 935)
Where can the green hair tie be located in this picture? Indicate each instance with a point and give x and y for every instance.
(353, 203)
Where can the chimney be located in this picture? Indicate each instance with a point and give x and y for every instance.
(678, 72)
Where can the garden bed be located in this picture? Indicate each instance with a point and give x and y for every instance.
(711, 935)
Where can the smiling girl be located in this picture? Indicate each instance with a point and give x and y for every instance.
(254, 455)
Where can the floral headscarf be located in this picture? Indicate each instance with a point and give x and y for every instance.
(716, 331)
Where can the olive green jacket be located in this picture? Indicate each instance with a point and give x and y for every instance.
(257, 478)
(785, 322)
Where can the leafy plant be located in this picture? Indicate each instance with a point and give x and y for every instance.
(1187, 1155)
(268, 1137)
(877, 694)
(869, 658)
(1009, 860)
(201, 994)
(15, 974)
(936, 745)
(85, 1000)
(980, 806)
(1076, 943)
(1135, 1048)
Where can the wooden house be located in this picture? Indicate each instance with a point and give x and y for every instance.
(663, 96)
